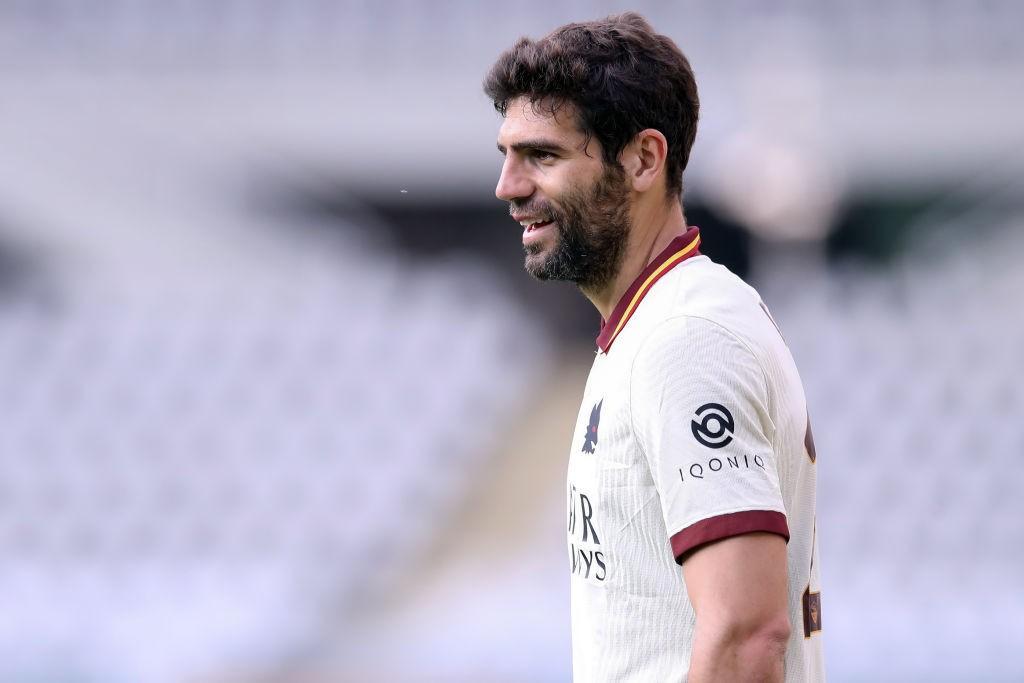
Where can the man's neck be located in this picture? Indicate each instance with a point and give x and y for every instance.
(653, 230)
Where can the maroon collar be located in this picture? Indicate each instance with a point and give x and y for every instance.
(678, 250)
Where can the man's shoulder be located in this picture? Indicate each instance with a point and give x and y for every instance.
(708, 289)
(695, 299)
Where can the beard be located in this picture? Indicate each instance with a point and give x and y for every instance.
(592, 228)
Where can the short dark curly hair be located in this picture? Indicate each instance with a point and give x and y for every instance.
(620, 75)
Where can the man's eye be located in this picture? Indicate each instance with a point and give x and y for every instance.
(541, 155)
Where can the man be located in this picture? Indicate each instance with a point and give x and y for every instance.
(693, 446)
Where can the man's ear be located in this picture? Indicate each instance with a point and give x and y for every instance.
(643, 159)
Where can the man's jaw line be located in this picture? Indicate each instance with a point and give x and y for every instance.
(595, 275)
(652, 232)
(535, 232)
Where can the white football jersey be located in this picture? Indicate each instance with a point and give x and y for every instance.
(693, 428)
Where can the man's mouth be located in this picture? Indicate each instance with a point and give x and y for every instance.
(532, 230)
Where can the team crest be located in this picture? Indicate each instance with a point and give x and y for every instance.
(590, 438)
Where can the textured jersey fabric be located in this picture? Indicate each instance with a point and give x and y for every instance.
(693, 428)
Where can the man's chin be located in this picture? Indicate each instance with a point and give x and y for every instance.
(538, 265)
(545, 264)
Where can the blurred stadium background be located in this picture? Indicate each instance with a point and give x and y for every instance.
(279, 405)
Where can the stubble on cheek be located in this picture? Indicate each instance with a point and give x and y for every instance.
(588, 237)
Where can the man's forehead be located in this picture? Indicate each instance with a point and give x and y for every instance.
(526, 119)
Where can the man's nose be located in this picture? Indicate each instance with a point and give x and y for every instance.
(513, 183)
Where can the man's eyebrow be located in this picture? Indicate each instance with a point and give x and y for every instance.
(536, 143)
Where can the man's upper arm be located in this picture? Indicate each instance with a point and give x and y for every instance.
(738, 588)
(738, 582)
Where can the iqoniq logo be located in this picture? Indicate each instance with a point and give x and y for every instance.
(715, 427)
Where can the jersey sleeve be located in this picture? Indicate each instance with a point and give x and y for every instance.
(699, 403)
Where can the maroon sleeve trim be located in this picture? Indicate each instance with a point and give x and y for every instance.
(724, 526)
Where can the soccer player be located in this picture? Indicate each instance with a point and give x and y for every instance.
(693, 445)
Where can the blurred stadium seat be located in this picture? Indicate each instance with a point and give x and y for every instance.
(222, 461)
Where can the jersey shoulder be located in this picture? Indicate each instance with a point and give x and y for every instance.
(704, 293)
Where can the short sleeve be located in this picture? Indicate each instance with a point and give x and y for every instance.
(699, 404)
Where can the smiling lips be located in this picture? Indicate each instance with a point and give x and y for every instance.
(533, 229)
(536, 225)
